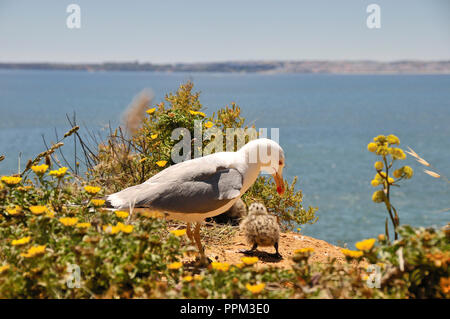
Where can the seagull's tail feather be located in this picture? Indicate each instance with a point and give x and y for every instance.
(131, 196)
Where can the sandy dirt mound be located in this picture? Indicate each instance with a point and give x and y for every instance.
(289, 242)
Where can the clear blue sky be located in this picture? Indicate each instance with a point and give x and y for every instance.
(196, 31)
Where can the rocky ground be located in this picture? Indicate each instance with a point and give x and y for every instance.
(289, 242)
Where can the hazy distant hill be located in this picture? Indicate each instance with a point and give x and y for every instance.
(338, 67)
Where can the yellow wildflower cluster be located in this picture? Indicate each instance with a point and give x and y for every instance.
(305, 250)
(11, 180)
(153, 136)
(352, 253)
(121, 214)
(197, 113)
(379, 165)
(255, 289)
(58, 172)
(34, 251)
(4, 268)
(21, 241)
(209, 124)
(379, 196)
(68, 221)
(249, 260)
(92, 189)
(189, 278)
(161, 163)
(220, 266)
(174, 266)
(14, 211)
(405, 172)
(120, 227)
(381, 146)
(38, 210)
(98, 202)
(365, 245)
(178, 232)
(39, 169)
(151, 111)
(83, 225)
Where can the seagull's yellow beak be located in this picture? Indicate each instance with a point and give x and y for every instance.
(280, 183)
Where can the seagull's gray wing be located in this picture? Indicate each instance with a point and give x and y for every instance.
(184, 188)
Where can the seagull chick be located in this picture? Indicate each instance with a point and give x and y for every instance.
(261, 229)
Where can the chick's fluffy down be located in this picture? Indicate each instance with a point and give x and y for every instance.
(262, 230)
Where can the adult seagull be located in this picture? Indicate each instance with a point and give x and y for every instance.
(204, 187)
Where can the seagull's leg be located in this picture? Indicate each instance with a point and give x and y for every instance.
(251, 251)
(277, 254)
(189, 232)
(203, 259)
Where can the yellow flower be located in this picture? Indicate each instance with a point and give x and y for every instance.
(178, 232)
(406, 172)
(34, 251)
(197, 113)
(379, 166)
(352, 253)
(14, 211)
(121, 214)
(209, 124)
(375, 182)
(21, 241)
(392, 139)
(4, 268)
(304, 250)
(398, 173)
(175, 265)
(153, 136)
(255, 289)
(365, 245)
(250, 260)
(38, 210)
(381, 237)
(68, 221)
(83, 225)
(11, 180)
(220, 266)
(380, 139)
(58, 172)
(198, 277)
(98, 202)
(372, 147)
(187, 278)
(125, 228)
(21, 188)
(39, 169)
(378, 196)
(110, 229)
(161, 163)
(391, 180)
(92, 189)
(397, 153)
(151, 111)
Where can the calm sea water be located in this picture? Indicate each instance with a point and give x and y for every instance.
(325, 124)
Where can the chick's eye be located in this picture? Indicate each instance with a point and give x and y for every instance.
(280, 163)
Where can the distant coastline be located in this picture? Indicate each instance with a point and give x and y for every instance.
(331, 67)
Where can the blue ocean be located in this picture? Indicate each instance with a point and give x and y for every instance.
(325, 123)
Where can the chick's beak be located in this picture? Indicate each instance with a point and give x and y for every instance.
(280, 183)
